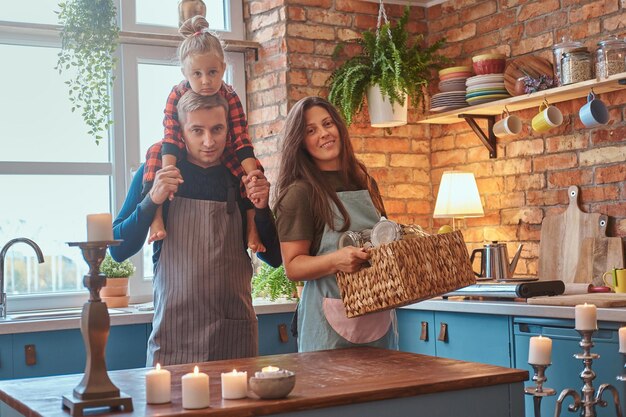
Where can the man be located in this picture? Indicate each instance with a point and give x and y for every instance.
(202, 295)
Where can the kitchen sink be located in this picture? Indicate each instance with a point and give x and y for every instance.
(53, 314)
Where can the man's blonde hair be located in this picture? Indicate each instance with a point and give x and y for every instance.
(191, 101)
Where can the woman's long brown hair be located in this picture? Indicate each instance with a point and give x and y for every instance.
(297, 164)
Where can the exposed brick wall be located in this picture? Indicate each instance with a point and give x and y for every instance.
(527, 181)
(530, 177)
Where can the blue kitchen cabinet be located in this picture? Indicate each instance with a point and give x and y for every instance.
(272, 329)
(6, 356)
(417, 331)
(464, 336)
(63, 351)
(565, 369)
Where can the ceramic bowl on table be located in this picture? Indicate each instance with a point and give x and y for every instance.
(274, 387)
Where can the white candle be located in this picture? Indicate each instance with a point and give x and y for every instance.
(158, 386)
(585, 315)
(99, 227)
(234, 385)
(540, 351)
(270, 368)
(622, 339)
(195, 390)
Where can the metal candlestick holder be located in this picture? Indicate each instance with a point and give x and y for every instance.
(539, 391)
(95, 389)
(587, 403)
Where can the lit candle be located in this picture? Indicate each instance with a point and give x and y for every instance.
(99, 227)
(195, 390)
(270, 368)
(622, 339)
(585, 317)
(540, 351)
(158, 386)
(234, 385)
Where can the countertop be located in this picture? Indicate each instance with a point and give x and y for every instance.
(453, 304)
(324, 379)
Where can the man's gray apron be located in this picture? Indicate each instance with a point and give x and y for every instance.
(202, 296)
(322, 320)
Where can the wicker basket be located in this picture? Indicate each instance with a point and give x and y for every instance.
(407, 271)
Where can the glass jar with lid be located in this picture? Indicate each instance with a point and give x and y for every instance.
(558, 50)
(610, 57)
(576, 66)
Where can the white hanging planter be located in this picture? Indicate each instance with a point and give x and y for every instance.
(382, 113)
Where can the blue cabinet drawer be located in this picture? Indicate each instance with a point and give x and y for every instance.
(269, 336)
(6, 356)
(416, 331)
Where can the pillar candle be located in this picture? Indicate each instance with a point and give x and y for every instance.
(622, 339)
(158, 386)
(99, 227)
(234, 385)
(585, 315)
(540, 351)
(195, 390)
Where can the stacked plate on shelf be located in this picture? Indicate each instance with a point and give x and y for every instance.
(485, 88)
(452, 87)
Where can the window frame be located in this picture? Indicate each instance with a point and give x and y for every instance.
(124, 135)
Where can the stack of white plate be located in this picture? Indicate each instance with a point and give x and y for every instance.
(447, 101)
(485, 88)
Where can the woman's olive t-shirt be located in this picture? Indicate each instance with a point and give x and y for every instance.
(294, 216)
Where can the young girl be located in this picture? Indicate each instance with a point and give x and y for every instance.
(202, 58)
(323, 190)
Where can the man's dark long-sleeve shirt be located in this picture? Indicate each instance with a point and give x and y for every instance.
(133, 221)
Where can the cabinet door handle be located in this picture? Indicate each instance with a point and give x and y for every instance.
(282, 333)
(424, 333)
(443, 332)
(30, 355)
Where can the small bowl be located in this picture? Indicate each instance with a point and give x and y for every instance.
(449, 70)
(273, 388)
(489, 66)
(484, 57)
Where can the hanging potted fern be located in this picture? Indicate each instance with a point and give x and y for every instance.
(390, 69)
(89, 38)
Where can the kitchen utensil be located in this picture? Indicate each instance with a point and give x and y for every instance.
(599, 254)
(533, 66)
(561, 240)
(547, 118)
(594, 113)
(598, 299)
(616, 279)
(494, 262)
(510, 290)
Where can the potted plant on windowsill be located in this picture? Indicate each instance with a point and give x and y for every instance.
(272, 283)
(89, 38)
(391, 67)
(115, 292)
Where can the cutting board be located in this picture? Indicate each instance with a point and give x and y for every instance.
(562, 237)
(600, 300)
(598, 255)
(533, 66)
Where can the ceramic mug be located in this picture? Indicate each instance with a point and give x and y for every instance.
(507, 126)
(594, 113)
(617, 280)
(547, 118)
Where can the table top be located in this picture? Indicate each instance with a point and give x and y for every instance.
(323, 379)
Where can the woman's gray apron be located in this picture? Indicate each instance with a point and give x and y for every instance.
(202, 296)
(322, 320)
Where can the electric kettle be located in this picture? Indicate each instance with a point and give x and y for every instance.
(494, 261)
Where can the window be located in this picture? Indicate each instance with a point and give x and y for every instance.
(51, 173)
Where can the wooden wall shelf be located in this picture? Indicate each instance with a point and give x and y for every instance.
(490, 110)
(554, 95)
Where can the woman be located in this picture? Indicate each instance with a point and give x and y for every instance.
(323, 191)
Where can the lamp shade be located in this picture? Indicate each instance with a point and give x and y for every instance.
(458, 196)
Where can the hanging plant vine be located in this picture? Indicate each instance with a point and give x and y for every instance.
(89, 38)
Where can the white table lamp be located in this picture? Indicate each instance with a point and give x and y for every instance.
(458, 197)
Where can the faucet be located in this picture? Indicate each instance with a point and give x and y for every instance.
(3, 252)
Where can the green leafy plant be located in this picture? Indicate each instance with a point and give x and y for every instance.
(272, 283)
(390, 58)
(113, 269)
(89, 38)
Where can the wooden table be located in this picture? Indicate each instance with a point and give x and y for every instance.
(348, 382)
